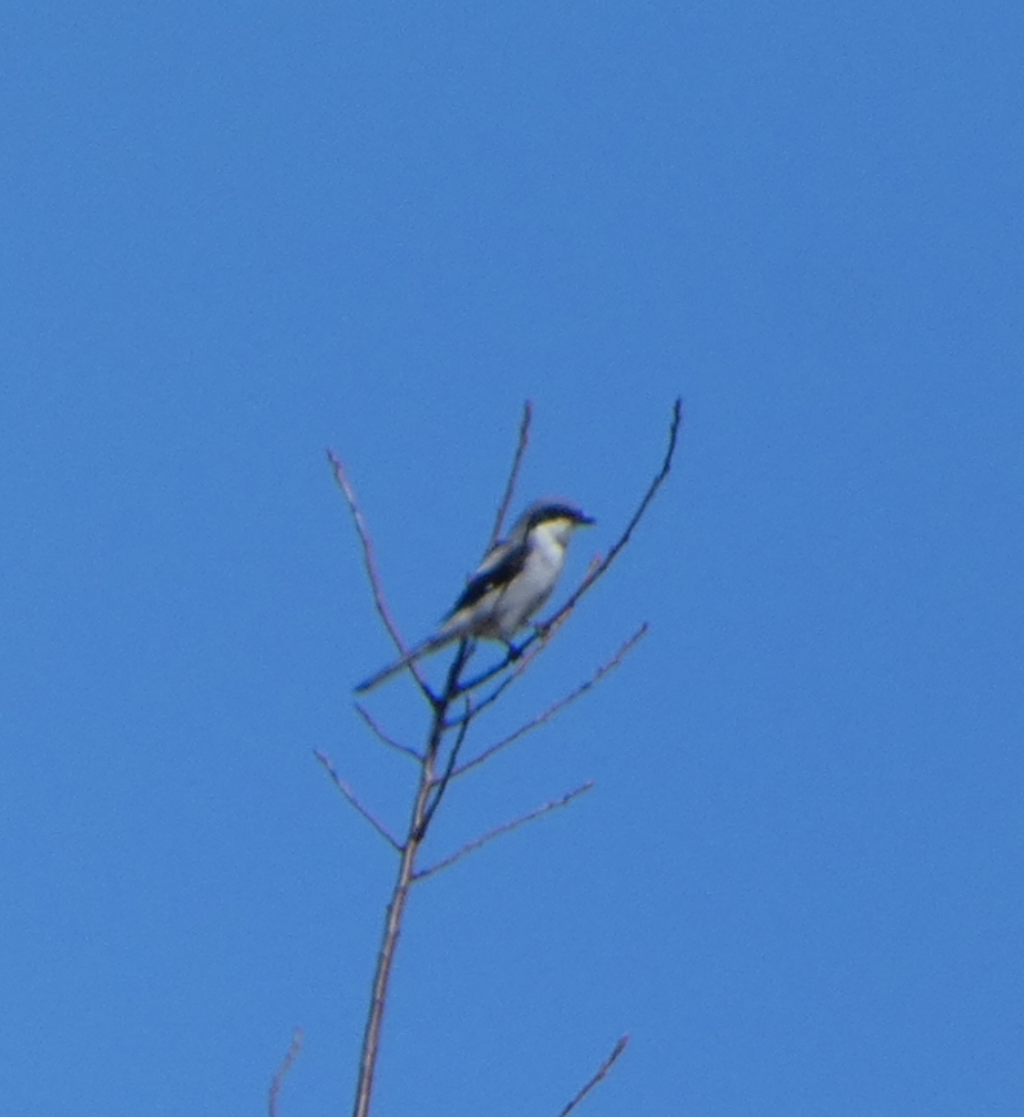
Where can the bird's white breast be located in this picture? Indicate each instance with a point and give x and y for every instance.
(534, 583)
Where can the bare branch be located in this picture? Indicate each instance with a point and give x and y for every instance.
(389, 937)
(523, 656)
(471, 847)
(437, 752)
(451, 689)
(282, 1071)
(513, 477)
(370, 563)
(659, 479)
(439, 786)
(383, 737)
(418, 824)
(349, 794)
(522, 662)
(602, 1070)
(557, 707)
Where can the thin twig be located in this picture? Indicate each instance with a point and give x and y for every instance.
(350, 796)
(370, 562)
(602, 1070)
(557, 707)
(451, 690)
(282, 1071)
(659, 479)
(522, 662)
(523, 657)
(513, 477)
(474, 845)
(381, 736)
(441, 785)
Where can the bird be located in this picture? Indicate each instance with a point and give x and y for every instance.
(514, 580)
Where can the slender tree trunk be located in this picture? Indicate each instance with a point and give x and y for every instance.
(389, 942)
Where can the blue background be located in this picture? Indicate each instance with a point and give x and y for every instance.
(235, 234)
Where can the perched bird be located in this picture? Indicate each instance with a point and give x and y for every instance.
(514, 580)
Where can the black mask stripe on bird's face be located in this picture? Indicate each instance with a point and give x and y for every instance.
(550, 512)
(498, 575)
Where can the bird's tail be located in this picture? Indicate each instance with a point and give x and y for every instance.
(432, 644)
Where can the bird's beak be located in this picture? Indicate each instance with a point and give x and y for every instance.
(586, 521)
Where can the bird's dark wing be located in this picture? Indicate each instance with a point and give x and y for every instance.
(501, 568)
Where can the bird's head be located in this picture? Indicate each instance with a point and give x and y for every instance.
(556, 518)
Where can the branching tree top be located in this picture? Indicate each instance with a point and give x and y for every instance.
(444, 754)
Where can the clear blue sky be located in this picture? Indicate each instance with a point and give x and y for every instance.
(236, 234)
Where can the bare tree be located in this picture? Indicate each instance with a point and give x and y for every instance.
(443, 757)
